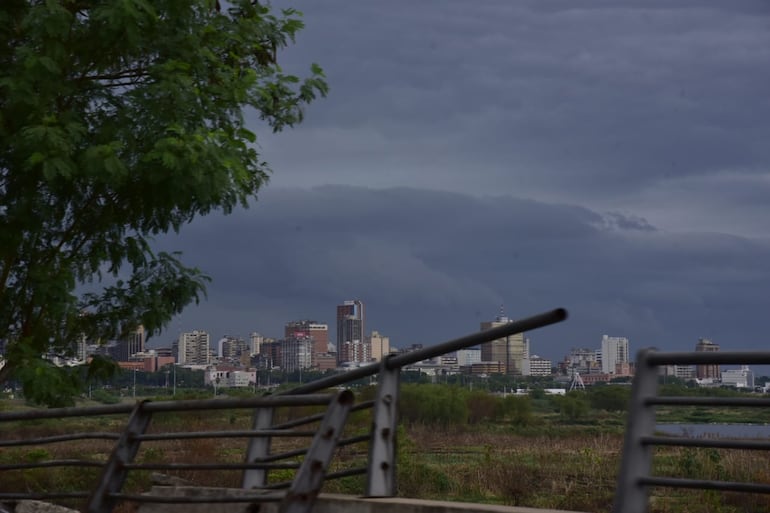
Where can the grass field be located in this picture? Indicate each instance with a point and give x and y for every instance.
(544, 459)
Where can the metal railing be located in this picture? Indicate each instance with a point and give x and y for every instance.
(311, 464)
(106, 492)
(641, 437)
(381, 472)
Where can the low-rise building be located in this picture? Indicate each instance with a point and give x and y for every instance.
(738, 378)
(483, 368)
(230, 377)
(537, 366)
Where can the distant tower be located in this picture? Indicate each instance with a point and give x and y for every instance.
(350, 331)
(707, 371)
(509, 351)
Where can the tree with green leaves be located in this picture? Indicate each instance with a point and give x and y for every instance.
(121, 120)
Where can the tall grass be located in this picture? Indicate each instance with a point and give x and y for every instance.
(519, 454)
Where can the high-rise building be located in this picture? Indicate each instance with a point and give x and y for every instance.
(467, 357)
(614, 352)
(537, 366)
(707, 371)
(583, 360)
(193, 348)
(255, 341)
(509, 351)
(684, 372)
(353, 352)
(297, 351)
(129, 346)
(233, 348)
(379, 346)
(350, 331)
(81, 349)
(317, 331)
(272, 354)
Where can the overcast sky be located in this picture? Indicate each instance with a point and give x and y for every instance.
(609, 157)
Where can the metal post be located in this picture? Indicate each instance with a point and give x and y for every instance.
(258, 449)
(114, 472)
(630, 495)
(310, 476)
(381, 475)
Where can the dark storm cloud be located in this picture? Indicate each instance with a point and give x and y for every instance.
(431, 265)
(606, 156)
(600, 104)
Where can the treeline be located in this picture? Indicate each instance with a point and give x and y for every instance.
(446, 405)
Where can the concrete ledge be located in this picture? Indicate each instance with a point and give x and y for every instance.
(203, 507)
(325, 503)
(334, 503)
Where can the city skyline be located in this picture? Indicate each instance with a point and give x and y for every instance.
(619, 346)
(608, 158)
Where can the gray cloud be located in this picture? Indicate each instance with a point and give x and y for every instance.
(431, 265)
(605, 156)
(598, 104)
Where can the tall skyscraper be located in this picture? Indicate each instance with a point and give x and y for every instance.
(350, 331)
(193, 348)
(614, 351)
(707, 371)
(510, 351)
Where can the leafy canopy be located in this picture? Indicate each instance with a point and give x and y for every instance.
(121, 120)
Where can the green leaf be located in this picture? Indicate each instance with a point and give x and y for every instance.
(120, 120)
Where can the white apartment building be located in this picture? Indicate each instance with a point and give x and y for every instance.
(229, 378)
(537, 366)
(738, 378)
(684, 372)
(614, 351)
(467, 357)
(297, 353)
(194, 349)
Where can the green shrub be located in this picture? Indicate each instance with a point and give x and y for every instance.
(433, 404)
(104, 397)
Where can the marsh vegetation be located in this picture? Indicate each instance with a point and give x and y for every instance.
(539, 451)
